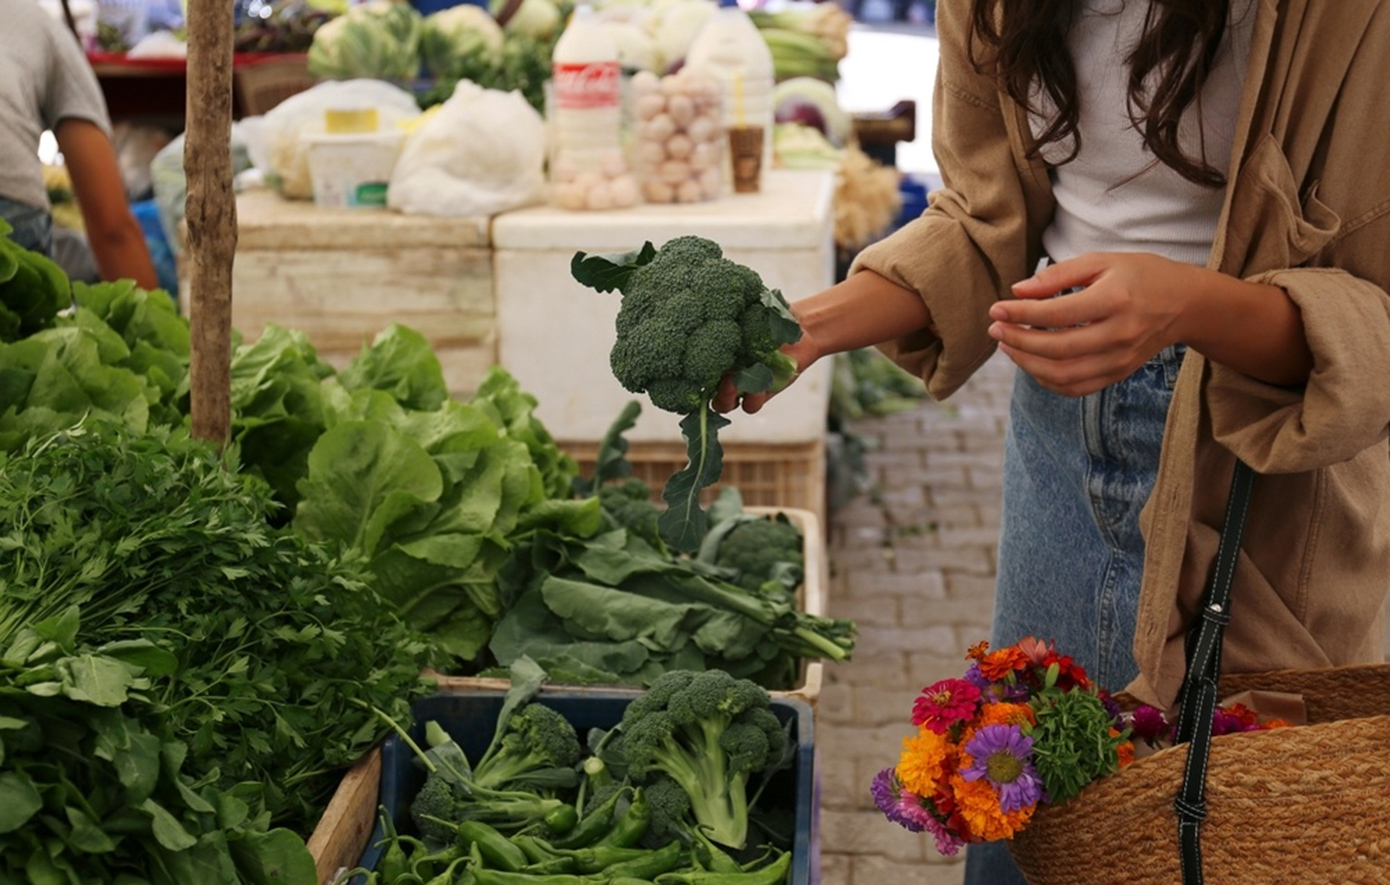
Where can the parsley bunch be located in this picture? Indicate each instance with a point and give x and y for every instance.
(282, 649)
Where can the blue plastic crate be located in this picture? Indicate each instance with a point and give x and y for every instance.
(470, 718)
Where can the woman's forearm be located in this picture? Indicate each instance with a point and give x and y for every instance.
(1253, 328)
(864, 310)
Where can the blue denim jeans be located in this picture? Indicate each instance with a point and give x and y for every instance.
(1077, 471)
(33, 227)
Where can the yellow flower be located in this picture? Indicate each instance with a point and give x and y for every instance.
(925, 762)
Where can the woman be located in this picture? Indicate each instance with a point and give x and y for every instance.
(47, 84)
(1213, 180)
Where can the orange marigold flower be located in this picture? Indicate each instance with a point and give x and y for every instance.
(998, 664)
(1126, 752)
(926, 760)
(977, 651)
(978, 805)
(1275, 722)
(1004, 713)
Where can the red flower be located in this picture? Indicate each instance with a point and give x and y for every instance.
(945, 703)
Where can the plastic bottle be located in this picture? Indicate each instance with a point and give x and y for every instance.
(730, 49)
(588, 167)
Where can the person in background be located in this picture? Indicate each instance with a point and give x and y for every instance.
(46, 83)
(1173, 217)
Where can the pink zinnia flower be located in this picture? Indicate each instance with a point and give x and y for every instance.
(945, 703)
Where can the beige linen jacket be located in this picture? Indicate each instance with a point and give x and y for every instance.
(1307, 209)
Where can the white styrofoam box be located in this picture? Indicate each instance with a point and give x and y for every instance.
(554, 334)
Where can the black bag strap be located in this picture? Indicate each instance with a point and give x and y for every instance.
(1201, 682)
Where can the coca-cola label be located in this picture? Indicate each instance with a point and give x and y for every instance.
(586, 85)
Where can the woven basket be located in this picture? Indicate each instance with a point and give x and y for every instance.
(1308, 804)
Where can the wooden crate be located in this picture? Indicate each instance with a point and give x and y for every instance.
(342, 275)
(811, 598)
(766, 474)
(347, 823)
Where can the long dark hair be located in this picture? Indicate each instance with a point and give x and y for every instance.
(1179, 46)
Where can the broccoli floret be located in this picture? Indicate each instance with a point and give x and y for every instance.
(442, 804)
(689, 317)
(760, 550)
(628, 504)
(538, 747)
(709, 733)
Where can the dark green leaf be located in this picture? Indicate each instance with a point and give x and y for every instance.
(19, 800)
(683, 523)
(605, 273)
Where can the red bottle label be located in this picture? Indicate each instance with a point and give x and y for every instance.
(586, 85)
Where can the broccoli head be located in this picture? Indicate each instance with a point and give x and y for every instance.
(538, 747)
(759, 549)
(689, 317)
(709, 733)
(627, 503)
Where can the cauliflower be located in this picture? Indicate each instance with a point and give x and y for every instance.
(533, 18)
(378, 40)
(461, 41)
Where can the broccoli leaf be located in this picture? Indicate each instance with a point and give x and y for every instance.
(682, 524)
(611, 461)
(608, 272)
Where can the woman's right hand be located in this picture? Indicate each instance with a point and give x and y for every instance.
(804, 352)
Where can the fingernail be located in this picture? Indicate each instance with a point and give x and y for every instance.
(996, 331)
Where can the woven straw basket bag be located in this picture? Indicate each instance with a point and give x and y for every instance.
(1308, 804)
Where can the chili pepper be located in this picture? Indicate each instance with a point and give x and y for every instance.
(558, 864)
(632, 826)
(562, 819)
(653, 864)
(592, 825)
(773, 874)
(537, 850)
(447, 877)
(394, 862)
(601, 857)
(495, 848)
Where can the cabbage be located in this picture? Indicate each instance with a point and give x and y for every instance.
(636, 48)
(812, 102)
(462, 41)
(378, 40)
(533, 18)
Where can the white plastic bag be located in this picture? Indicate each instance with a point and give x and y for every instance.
(479, 153)
(274, 140)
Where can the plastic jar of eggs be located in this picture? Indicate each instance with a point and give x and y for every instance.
(606, 184)
(677, 137)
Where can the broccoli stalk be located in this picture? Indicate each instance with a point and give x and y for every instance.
(709, 733)
(689, 317)
(538, 747)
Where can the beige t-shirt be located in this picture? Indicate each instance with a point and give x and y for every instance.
(44, 78)
(1113, 196)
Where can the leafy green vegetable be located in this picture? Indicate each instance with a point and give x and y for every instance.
(278, 648)
(690, 317)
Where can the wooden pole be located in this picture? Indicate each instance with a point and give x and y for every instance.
(210, 213)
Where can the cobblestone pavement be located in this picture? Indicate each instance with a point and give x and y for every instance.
(912, 561)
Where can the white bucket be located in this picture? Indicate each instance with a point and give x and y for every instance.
(351, 170)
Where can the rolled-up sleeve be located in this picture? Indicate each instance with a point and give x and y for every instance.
(1345, 406)
(975, 238)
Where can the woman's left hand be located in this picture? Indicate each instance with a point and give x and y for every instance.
(1077, 343)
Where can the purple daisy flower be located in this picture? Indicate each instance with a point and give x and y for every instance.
(897, 805)
(1004, 756)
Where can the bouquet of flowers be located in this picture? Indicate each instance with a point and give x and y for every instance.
(1024, 726)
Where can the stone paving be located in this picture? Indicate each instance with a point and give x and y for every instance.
(912, 561)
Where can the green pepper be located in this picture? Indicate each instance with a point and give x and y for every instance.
(774, 873)
(536, 849)
(562, 819)
(447, 876)
(631, 826)
(592, 825)
(653, 864)
(600, 857)
(495, 848)
(558, 864)
(394, 862)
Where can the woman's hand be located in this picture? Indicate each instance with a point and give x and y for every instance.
(1129, 308)
(804, 352)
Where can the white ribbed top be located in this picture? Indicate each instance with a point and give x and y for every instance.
(1114, 196)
